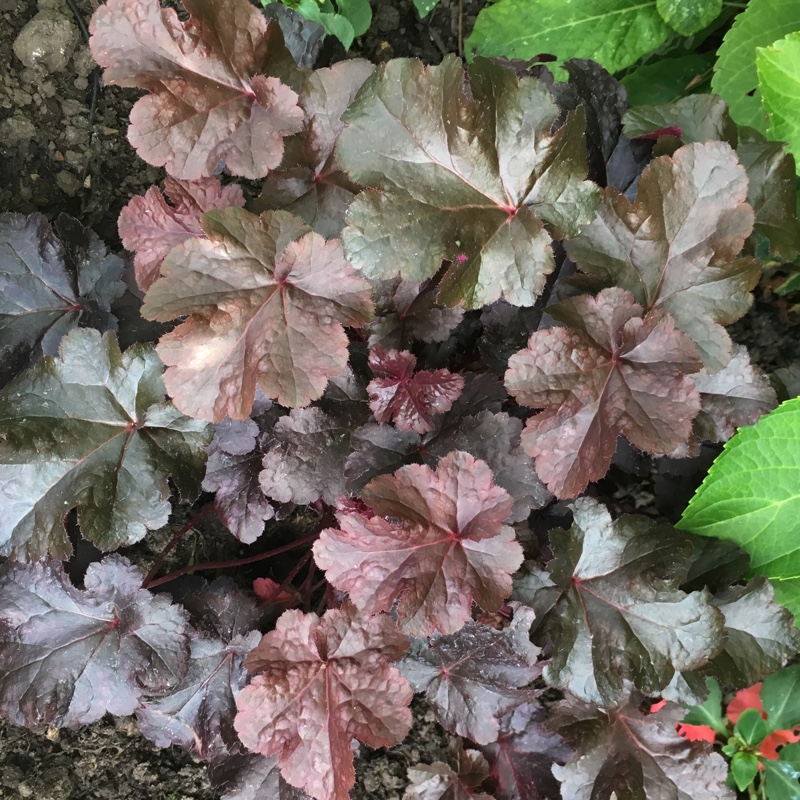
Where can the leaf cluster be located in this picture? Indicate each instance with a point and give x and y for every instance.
(459, 297)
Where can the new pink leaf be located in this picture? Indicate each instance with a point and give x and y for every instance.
(410, 399)
(212, 95)
(614, 371)
(443, 546)
(267, 301)
(150, 226)
(317, 685)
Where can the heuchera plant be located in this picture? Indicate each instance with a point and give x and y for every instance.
(463, 296)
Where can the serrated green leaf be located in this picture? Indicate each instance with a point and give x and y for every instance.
(782, 776)
(744, 767)
(780, 697)
(751, 496)
(710, 712)
(338, 26)
(90, 428)
(669, 79)
(689, 16)
(424, 7)
(735, 76)
(751, 727)
(778, 69)
(615, 33)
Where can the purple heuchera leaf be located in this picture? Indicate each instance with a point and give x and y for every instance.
(436, 544)
(305, 461)
(472, 677)
(463, 167)
(676, 247)
(309, 182)
(615, 371)
(150, 226)
(90, 430)
(317, 684)
(457, 779)
(267, 302)
(232, 471)
(68, 656)
(410, 399)
(198, 713)
(612, 610)
(211, 100)
(630, 755)
(522, 758)
(736, 396)
(51, 280)
(249, 776)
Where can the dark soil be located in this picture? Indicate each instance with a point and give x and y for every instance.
(63, 148)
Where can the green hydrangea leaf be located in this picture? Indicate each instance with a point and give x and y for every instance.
(778, 69)
(735, 76)
(615, 33)
(91, 428)
(689, 16)
(780, 696)
(751, 496)
(669, 79)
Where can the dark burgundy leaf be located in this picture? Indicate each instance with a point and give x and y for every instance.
(377, 450)
(522, 758)
(306, 457)
(309, 182)
(615, 371)
(614, 160)
(90, 429)
(303, 37)
(436, 544)
(317, 685)
(736, 396)
(451, 179)
(760, 635)
(213, 95)
(248, 776)
(409, 399)
(676, 247)
(50, 282)
(627, 754)
(455, 780)
(150, 226)
(69, 656)
(614, 614)
(472, 677)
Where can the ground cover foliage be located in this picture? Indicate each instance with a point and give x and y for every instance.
(463, 294)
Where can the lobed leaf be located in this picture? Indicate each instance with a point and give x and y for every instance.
(309, 181)
(52, 279)
(450, 180)
(317, 684)
(150, 226)
(213, 98)
(629, 755)
(198, 713)
(443, 546)
(675, 248)
(614, 371)
(613, 613)
(90, 429)
(409, 399)
(69, 656)
(522, 758)
(473, 677)
(266, 301)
